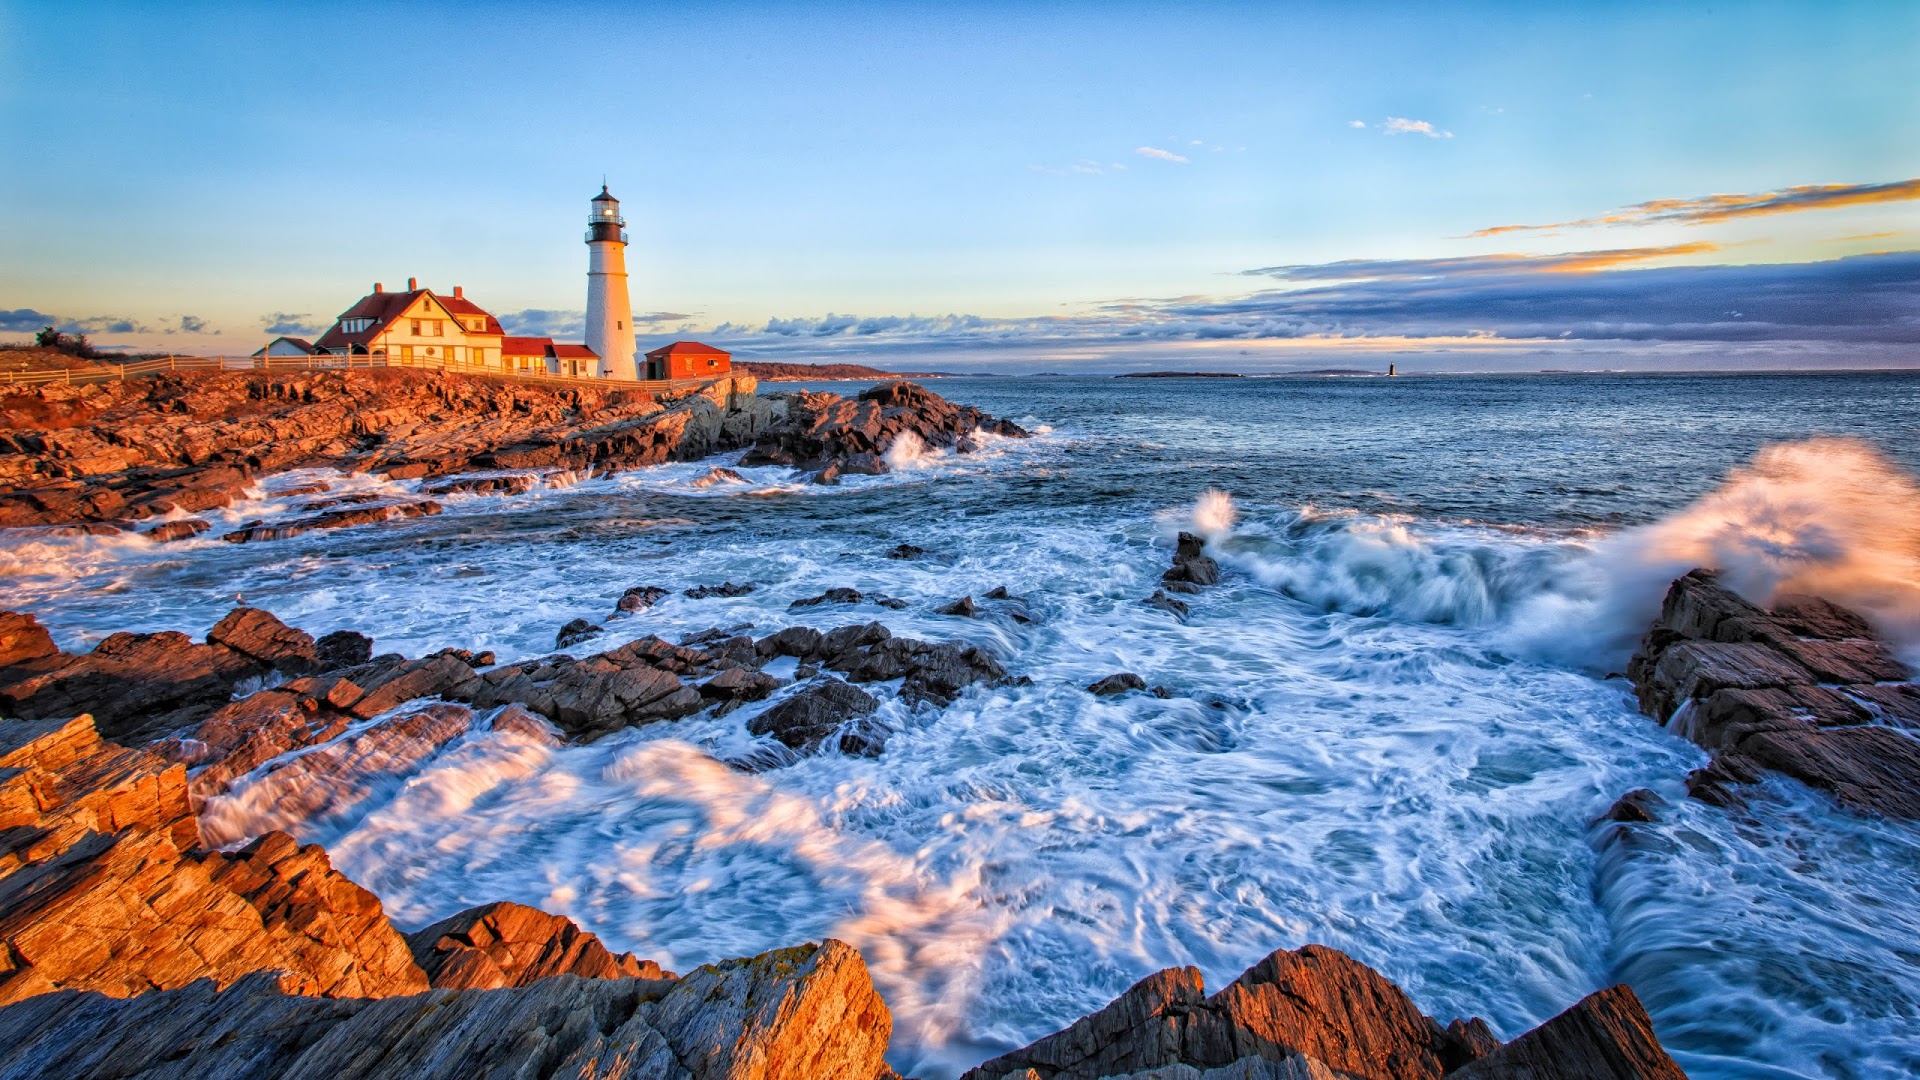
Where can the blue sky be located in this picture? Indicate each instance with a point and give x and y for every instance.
(1021, 185)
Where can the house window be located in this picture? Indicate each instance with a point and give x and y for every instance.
(439, 328)
(416, 328)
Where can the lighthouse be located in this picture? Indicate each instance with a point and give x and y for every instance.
(609, 310)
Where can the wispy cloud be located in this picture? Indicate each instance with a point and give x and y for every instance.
(652, 317)
(1158, 154)
(1711, 208)
(1400, 125)
(1356, 123)
(290, 322)
(193, 324)
(1571, 262)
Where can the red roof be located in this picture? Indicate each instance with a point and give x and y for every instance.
(575, 352)
(525, 346)
(688, 348)
(384, 307)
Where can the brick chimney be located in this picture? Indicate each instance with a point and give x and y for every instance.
(459, 293)
(379, 288)
(413, 284)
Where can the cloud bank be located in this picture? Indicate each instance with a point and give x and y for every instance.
(1710, 208)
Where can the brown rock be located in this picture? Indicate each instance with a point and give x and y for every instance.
(505, 944)
(1607, 1036)
(22, 638)
(257, 634)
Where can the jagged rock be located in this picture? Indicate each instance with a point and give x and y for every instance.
(817, 710)
(633, 601)
(1316, 1011)
(1606, 1036)
(906, 551)
(637, 683)
(342, 648)
(136, 686)
(334, 778)
(578, 631)
(193, 442)
(257, 634)
(701, 592)
(184, 529)
(103, 888)
(1166, 603)
(1012, 606)
(831, 596)
(506, 944)
(962, 607)
(740, 684)
(718, 475)
(1190, 565)
(332, 519)
(516, 484)
(800, 641)
(1118, 683)
(22, 638)
(831, 435)
(1637, 805)
(795, 1013)
(1804, 689)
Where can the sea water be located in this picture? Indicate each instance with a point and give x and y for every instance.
(1390, 728)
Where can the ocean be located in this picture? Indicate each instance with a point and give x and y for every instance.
(1390, 729)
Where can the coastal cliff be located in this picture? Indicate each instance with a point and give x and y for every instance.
(112, 456)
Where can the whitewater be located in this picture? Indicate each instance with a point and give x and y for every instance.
(1392, 728)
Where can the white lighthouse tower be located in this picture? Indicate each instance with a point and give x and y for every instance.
(609, 310)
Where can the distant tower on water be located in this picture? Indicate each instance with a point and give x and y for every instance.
(609, 310)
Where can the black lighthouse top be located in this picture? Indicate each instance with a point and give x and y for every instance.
(604, 223)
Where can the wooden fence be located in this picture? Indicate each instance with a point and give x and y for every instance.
(120, 372)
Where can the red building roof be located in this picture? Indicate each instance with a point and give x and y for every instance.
(570, 352)
(526, 346)
(687, 348)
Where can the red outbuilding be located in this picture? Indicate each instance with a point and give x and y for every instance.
(688, 360)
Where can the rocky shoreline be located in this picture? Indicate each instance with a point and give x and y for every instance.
(121, 456)
(239, 954)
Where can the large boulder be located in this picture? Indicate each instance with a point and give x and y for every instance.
(1805, 688)
(1315, 1013)
(506, 944)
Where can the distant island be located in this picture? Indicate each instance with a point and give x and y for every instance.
(771, 372)
(1181, 375)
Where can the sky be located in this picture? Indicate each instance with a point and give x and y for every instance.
(1017, 187)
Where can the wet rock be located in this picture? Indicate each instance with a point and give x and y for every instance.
(806, 718)
(1638, 805)
(1190, 565)
(718, 475)
(1607, 1036)
(1185, 587)
(728, 588)
(505, 944)
(576, 632)
(962, 607)
(22, 638)
(257, 634)
(342, 648)
(893, 603)
(799, 641)
(809, 1012)
(632, 602)
(834, 435)
(136, 686)
(829, 475)
(739, 684)
(111, 892)
(184, 529)
(831, 596)
(588, 699)
(1803, 689)
(906, 551)
(1166, 603)
(332, 519)
(516, 484)
(1315, 1012)
(1005, 603)
(1117, 683)
(941, 672)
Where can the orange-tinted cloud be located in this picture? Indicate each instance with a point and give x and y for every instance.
(1709, 208)
(1571, 262)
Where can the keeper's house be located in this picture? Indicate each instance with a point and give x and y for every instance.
(420, 326)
